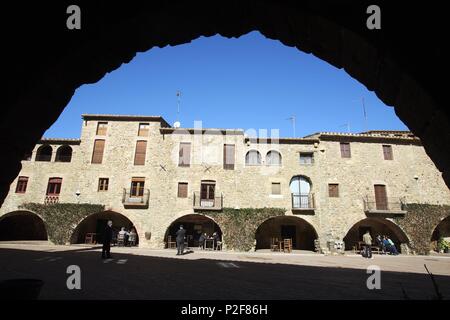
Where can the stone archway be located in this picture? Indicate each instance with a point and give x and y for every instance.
(376, 226)
(442, 230)
(96, 223)
(299, 230)
(45, 68)
(22, 225)
(195, 225)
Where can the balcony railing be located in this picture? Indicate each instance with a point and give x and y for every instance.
(303, 202)
(135, 201)
(394, 206)
(51, 199)
(208, 204)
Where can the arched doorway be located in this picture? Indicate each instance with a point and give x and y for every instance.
(195, 225)
(376, 226)
(300, 231)
(22, 225)
(441, 232)
(93, 226)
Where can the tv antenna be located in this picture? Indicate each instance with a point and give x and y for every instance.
(292, 118)
(177, 123)
(346, 125)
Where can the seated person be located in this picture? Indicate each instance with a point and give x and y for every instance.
(123, 235)
(380, 244)
(132, 237)
(218, 243)
(392, 247)
(201, 240)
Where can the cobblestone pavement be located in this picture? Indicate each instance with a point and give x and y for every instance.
(140, 273)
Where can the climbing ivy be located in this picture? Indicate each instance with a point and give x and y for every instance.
(61, 219)
(239, 225)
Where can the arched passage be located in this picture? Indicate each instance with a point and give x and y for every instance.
(63, 154)
(195, 225)
(376, 226)
(299, 230)
(22, 225)
(442, 230)
(96, 224)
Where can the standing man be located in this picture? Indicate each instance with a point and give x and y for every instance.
(181, 234)
(368, 244)
(107, 238)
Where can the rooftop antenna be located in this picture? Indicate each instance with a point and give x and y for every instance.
(292, 118)
(365, 114)
(346, 125)
(177, 123)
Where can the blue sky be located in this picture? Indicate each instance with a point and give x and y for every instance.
(248, 83)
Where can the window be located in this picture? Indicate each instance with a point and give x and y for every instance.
(182, 189)
(64, 154)
(103, 184)
(22, 185)
(99, 148)
(276, 188)
(54, 186)
(139, 157)
(387, 152)
(345, 150)
(184, 159)
(207, 190)
(101, 128)
(333, 190)
(306, 158)
(253, 158)
(143, 129)
(137, 187)
(228, 156)
(44, 153)
(273, 158)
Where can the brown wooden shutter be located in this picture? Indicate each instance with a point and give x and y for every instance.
(228, 156)
(182, 190)
(137, 187)
(143, 129)
(387, 152)
(381, 197)
(101, 128)
(345, 150)
(139, 157)
(185, 154)
(333, 190)
(97, 154)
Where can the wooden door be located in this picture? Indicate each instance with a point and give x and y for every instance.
(381, 197)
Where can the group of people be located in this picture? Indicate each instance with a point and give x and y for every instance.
(128, 237)
(216, 244)
(384, 243)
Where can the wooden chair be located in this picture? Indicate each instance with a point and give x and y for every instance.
(287, 245)
(120, 240)
(274, 246)
(171, 244)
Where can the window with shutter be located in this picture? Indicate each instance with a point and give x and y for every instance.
(228, 156)
(101, 128)
(387, 152)
(182, 189)
(333, 190)
(22, 185)
(139, 157)
(137, 187)
(381, 199)
(184, 154)
(276, 188)
(54, 186)
(97, 154)
(103, 184)
(143, 129)
(345, 150)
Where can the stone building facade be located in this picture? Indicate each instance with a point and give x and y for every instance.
(331, 186)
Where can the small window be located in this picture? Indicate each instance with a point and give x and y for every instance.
(137, 187)
(101, 128)
(182, 189)
(387, 152)
(276, 188)
(184, 159)
(228, 156)
(345, 150)
(22, 185)
(103, 184)
(253, 158)
(139, 157)
(333, 190)
(143, 129)
(306, 158)
(54, 186)
(273, 158)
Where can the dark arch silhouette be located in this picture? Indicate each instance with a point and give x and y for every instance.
(45, 68)
(64, 154)
(195, 225)
(96, 223)
(442, 230)
(22, 225)
(299, 230)
(376, 226)
(44, 153)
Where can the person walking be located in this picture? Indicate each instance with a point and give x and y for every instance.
(201, 241)
(107, 238)
(367, 239)
(181, 235)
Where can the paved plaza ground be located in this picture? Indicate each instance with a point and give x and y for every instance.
(140, 273)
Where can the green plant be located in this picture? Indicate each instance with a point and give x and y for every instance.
(443, 244)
